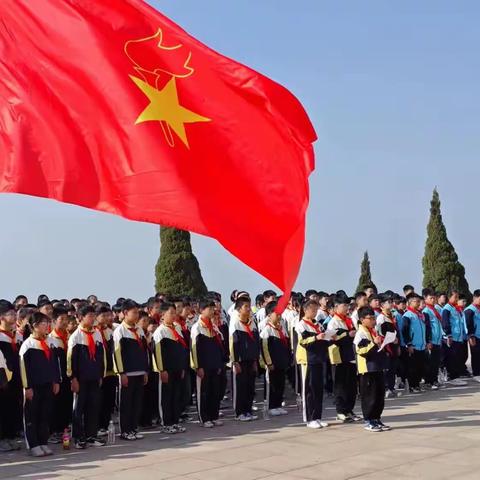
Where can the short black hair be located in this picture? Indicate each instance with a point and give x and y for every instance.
(360, 295)
(270, 307)
(38, 317)
(165, 306)
(59, 311)
(205, 303)
(476, 293)
(129, 304)
(428, 292)
(242, 301)
(413, 296)
(269, 293)
(5, 307)
(152, 301)
(43, 302)
(85, 310)
(99, 309)
(365, 312)
(340, 300)
(385, 297)
(408, 287)
(310, 292)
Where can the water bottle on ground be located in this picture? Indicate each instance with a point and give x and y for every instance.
(111, 433)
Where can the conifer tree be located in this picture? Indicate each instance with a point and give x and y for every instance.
(441, 268)
(177, 271)
(365, 279)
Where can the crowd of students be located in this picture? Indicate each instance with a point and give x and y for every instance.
(68, 365)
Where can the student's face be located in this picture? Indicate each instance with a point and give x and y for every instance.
(323, 302)
(21, 302)
(269, 299)
(179, 307)
(10, 318)
(442, 299)
(362, 302)
(274, 317)
(71, 326)
(375, 303)
(311, 311)
(143, 323)
(61, 322)
(154, 311)
(401, 306)
(462, 302)
(245, 310)
(47, 310)
(208, 312)
(169, 316)
(369, 321)
(342, 309)
(131, 316)
(387, 306)
(430, 300)
(88, 320)
(369, 291)
(151, 328)
(314, 296)
(414, 303)
(408, 292)
(186, 311)
(453, 298)
(41, 329)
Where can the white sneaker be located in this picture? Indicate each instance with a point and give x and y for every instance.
(322, 424)
(283, 411)
(313, 424)
(217, 423)
(477, 378)
(243, 418)
(275, 412)
(252, 417)
(37, 452)
(207, 424)
(46, 450)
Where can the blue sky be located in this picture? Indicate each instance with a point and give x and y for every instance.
(392, 89)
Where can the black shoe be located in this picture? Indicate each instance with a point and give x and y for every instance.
(80, 444)
(128, 436)
(96, 442)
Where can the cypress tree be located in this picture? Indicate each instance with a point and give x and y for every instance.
(177, 271)
(441, 268)
(365, 279)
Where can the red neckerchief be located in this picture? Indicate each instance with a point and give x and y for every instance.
(392, 319)
(416, 312)
(209, 325)
(435, 312)
(279, 330)
(373, 333)
(182, 322)
(176, 335)
(90, 343)
(104, 340)
(378, 310)
(137, 337)
(346, 320)
(63, 337)
(248, 330)
(46, 349)
(313, 325)
(13, 341)
(456, 307)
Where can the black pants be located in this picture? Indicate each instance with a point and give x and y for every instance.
(150, 409)
(455, 360)
(11, 401)
(131, 398)
(62, 408)
(244, 388)
(390, 374)
(433, 364)
(416, 367)
(275, 387)
(329, 373)
(345, 387)
(294, 375)
(402, 368)
(186, 390)
(372, 390)
(108, 397)
(37, 415)
(312, 391)
(208, 395)
(170, 398)
(86, 408)
(475, 358)
(223, 383)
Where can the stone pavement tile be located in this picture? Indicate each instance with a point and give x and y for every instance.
(330, 471)
(141, 473)
(430, 469)
(469, 457)
(279, 463)
(229, 473)
(186, 465)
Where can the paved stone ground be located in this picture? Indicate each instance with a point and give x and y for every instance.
(436, 435)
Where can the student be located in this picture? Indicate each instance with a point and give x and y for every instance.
(312, 355)
(171, 361)
(276, 354)
(400, 307)
(104, 318)
(131, 363)
(342, 357)
(433, 321)
(244, 354)
(86, 365)
(221, 323)
(387, 323)
(415, 336)
(472, 322)
(62, 403)
(207, 359)
(370, 290)
(441, 301)
(11, 395)
(40, 378)
(407, 290)
(454, 328)
(181, 321)
(371, 365)
(323, 315)
(360, 301)
(374, 303)
(268, 296)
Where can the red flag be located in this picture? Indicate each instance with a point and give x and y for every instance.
(110, 105)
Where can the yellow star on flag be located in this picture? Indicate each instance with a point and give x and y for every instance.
(165, 106)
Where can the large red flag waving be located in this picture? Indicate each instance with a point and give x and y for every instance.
(110, 105)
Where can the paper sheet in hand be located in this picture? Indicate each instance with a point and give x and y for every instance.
(329, 334)
(389, 338)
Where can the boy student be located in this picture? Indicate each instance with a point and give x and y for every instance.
(86, 367)
(207, 359)
(342, 357)
(131, 363)
(268, 296)
(415, 336)
(371, 364)
(312, 356)
(11, 395)
(244, 354)
(386, 322)
(360, 301)
(433, 320)
(62, 403)
(40, 377)
(472, 322)
(454, 328)
(171, 360)
(276, 354)
(104, 317)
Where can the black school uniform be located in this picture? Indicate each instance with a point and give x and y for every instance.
(244, 350)
(207, 352)
(276, 352)
(86, 362)
(39, 371)
(171, 356)
(11, 397)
